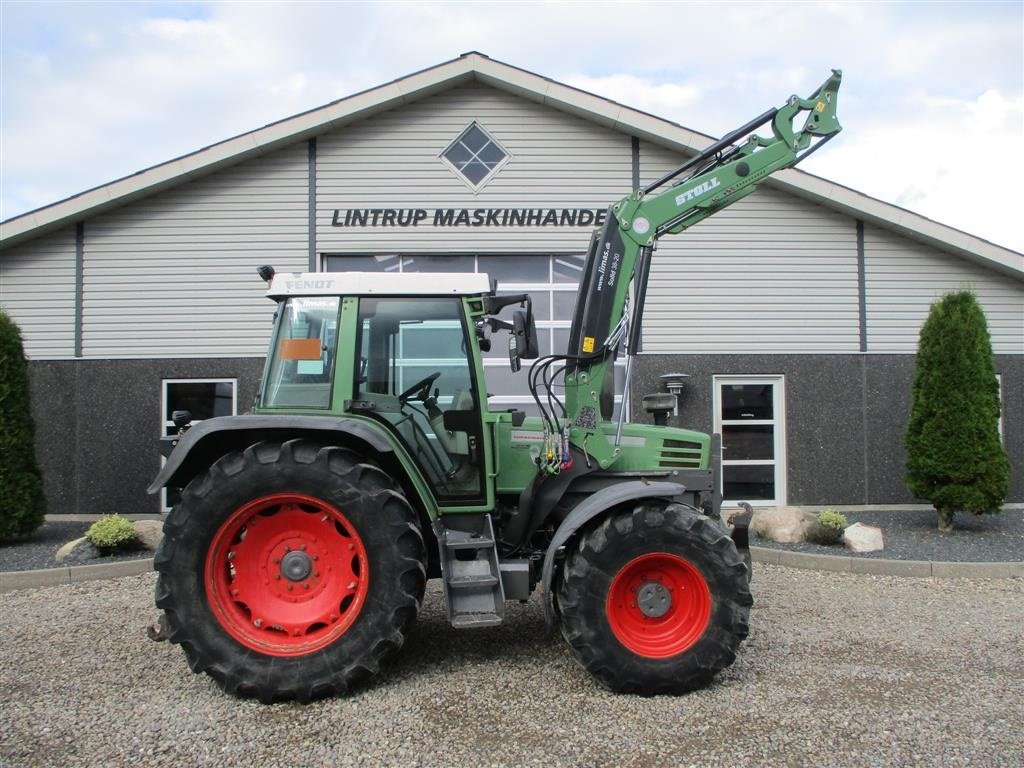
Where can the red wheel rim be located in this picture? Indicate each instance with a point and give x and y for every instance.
(286, 575)
(658, 605)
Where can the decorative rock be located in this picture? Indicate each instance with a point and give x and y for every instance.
(77, 552)
(786, 525)
(149, 533)
(863, 538)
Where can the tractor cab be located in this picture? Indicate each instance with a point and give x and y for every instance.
(402, 350)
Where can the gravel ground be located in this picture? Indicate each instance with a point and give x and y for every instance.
(839, 670)
(914, 536)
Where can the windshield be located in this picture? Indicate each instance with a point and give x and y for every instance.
(300, 368)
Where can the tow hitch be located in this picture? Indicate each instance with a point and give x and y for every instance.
(740, 523)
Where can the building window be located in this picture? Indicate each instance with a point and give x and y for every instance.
(204, 399)
(552, 282)
(475, 156)
(750, 414)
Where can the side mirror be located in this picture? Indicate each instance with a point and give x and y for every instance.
(182, 420)
(522, 344)
(526, 329)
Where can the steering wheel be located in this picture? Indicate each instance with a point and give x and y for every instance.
(421, 388)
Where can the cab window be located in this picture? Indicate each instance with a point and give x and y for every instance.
(300, 371)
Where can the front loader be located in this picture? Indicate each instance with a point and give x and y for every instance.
(297, 558)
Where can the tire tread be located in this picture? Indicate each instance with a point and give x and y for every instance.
(590, 566)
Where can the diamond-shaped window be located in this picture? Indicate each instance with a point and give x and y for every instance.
(475, 155)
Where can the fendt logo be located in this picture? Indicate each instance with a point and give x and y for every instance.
(308, 285)
(697, 191)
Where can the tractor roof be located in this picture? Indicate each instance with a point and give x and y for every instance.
(378, 284)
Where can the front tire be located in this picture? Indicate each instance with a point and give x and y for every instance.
(290, 571)
(654, 600)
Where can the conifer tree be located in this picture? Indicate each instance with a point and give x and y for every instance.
(955, 458)
(22, 504)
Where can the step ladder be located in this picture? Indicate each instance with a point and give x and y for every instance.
(473, 588)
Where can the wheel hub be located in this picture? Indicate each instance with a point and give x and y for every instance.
(653, 599)
(296, 566)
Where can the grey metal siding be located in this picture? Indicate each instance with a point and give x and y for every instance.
(772, 273)
(37, 289)
(904, 278)
(174, 275)
(392, 161)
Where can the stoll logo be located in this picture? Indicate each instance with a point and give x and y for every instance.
(697, 191)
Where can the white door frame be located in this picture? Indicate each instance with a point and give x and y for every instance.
(778, 382)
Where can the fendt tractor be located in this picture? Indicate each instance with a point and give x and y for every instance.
(297, 558)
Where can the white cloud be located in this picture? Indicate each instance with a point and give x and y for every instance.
(956, 161)
(661, 99)
(91, 92)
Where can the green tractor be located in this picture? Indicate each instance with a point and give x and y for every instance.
(297, 558)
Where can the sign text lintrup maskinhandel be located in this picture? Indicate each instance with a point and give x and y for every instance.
(469, 217)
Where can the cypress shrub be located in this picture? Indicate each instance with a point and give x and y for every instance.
(22, 504)
(955, 459)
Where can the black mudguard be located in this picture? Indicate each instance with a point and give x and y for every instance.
(210, 439)
(594, 505)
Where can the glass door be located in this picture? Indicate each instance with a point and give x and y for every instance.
(750, 414)
(416, 376)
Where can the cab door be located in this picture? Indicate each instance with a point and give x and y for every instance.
(417, 374)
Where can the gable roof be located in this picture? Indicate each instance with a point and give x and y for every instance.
(476, 66)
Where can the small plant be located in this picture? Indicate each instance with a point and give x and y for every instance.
(832, 520)
(826, 527)
(111, 532)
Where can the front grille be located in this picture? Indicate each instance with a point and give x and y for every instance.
(680, 454)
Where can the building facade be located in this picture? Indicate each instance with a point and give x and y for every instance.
(794, 313)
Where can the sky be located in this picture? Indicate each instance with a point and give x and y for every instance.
(932, 101)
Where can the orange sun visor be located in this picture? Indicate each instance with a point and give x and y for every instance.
(299, 349)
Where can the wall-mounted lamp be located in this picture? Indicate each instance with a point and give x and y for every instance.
(660, 404)
(675, 383)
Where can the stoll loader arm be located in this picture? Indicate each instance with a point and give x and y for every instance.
(620, 253)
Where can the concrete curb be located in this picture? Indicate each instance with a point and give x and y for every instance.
(50, 577)
(879, 567)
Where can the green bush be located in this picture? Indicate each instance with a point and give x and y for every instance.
(832, 520)
(955, 458)
(22, 503)
(112, 532)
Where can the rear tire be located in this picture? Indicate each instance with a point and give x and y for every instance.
(654, 600)
(290, 571)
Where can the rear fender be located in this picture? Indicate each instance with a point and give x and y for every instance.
(590, 508)
(210, 439)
